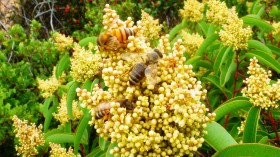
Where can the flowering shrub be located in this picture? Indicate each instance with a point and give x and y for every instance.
(209, 87)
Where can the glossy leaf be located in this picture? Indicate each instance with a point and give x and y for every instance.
(103, 143)
(264, 59)
(177, 29)
(217, 137)
(231, 106)
(254, 44)
(96, 152)
(274, 49)
(228, 70)
(80, 131)
(63, 63)
(216, 82)
(87, 40)
(49, 117)
(60, 138)
(250, 130)
(47, 104)
(221, 58)
(87, 85)
(255, 21)
(249, 150)
(193, 60)
(111, 146)
(71, 95)
(207, 42)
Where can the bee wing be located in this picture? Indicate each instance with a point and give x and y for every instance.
(151, 74)
(113, 43)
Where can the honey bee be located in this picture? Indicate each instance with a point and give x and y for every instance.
(115, 39)
(103, 109)
(147, 68)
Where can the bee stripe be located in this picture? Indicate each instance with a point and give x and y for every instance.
(131, 32)
(124, 34)
(118, 34)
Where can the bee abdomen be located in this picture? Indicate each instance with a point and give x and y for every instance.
(123, 33)
(137, 73)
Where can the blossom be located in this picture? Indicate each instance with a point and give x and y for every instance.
(50, 85)
(62, 43)
(29, 137)
(193, 10)
(258, 88)
(62, 115)
(58, 151)
(233, 32)
(84, 64)
(217, 12)
(192, 42)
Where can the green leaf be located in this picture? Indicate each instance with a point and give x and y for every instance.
(211, 30)
(46, 105)
(177, 29)
(275, 50)
(231, 106)
(52, 132)
(255, 21)
(71, 95)
(228, 70)
(193, 60)
(49, 117)
(221, 57)
(111, 146)
(87, 40)
(264, 140)
(254, 44)
(80, 131)
(216, 82)
(207, 42)
(87, 85)
(103, 143)
(217, 137)
(234, 130)
(254, 7)
(249, 150)
(203, 26)
(96, 152)
(264, 59)
(60, 138)
(62, 64)
(250, 130)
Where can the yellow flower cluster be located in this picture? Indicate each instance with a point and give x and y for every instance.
(111, 20)
(62, 115)
(167, 119)
(151, 28)
(193, 10)
(84, 64)
(192, 42)
(276, 26)
(233, 34)
(29, 137)
(164, 45)
(258, 89)
(49, 86)
(62, 43)
(58, 151)
(241, 128)
(217, 12)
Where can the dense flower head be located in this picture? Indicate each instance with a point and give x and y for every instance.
(84, 64)
(58, 151)
(29, 137)
(217, 12)
(62, 115)
(192, 42)
(162, 119)
(151, 28)
(233, 32)
(62, 43)
(49, 86)
(193, 10)
(258, 89)
(276, 26)
(164, 45)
